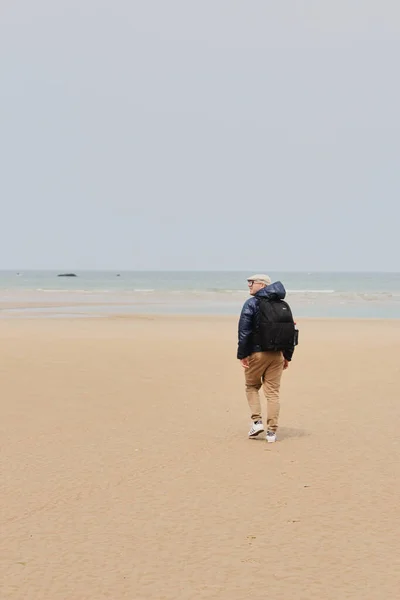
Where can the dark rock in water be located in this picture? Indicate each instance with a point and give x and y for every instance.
(67, 275)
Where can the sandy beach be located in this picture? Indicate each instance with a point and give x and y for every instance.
(127, 474)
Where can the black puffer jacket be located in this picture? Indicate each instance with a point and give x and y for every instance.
(248, 322)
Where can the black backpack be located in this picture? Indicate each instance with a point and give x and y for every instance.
(276, 328)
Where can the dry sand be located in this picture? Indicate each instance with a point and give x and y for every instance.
(126, 471)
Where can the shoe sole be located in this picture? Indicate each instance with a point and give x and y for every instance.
(253, 435)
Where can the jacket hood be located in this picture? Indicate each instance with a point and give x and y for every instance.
(274, 291)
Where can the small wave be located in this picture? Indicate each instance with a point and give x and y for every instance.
(51, 291)
(240, 291)
(310, 291)
(220, 291)
(66, 291)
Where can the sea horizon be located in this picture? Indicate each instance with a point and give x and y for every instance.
(354, 294)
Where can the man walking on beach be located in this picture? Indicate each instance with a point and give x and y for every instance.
(265, 348)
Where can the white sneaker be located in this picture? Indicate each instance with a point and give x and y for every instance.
(270, 437)
(256, 428)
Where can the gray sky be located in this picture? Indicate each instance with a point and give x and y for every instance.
(200, 134)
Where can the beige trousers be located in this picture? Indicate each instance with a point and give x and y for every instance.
(265, 369)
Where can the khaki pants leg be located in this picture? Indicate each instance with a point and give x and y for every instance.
(265, 368)
(253, 376)
(271, 386)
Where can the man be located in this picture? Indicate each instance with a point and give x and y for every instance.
(261, 367)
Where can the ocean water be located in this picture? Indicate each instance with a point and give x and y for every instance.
(97, 293)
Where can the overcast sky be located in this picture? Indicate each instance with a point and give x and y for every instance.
(200, 134)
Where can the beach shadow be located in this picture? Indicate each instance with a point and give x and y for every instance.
(289, 432)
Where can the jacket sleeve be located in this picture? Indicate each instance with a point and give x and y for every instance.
(245, 330)
(288, 353)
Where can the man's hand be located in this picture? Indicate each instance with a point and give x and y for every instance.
(244, 362)
(285, 364)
